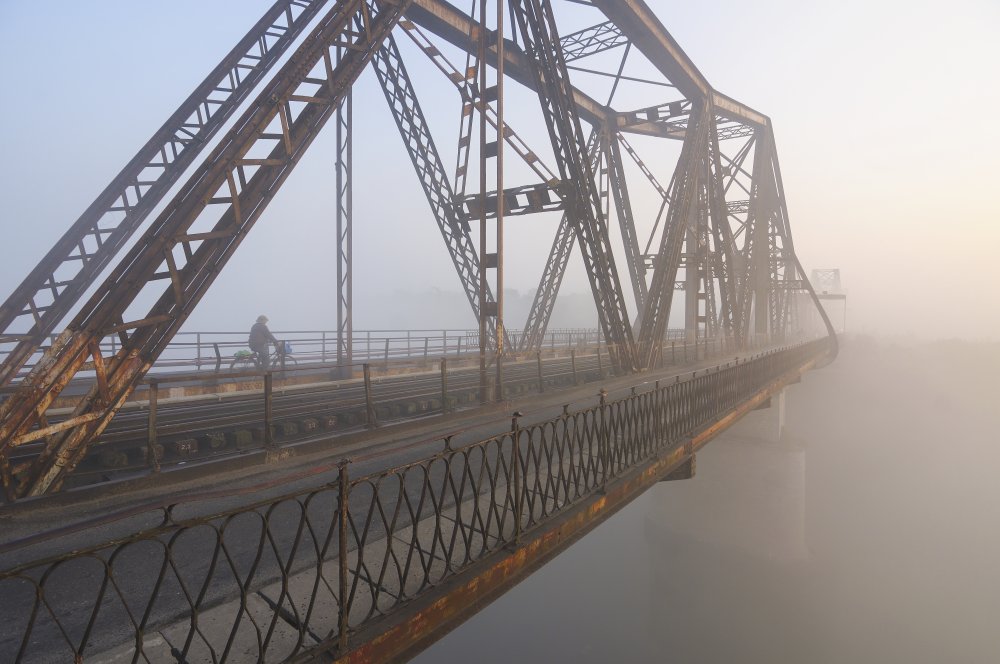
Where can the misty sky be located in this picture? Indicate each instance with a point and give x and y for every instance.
(881, 112)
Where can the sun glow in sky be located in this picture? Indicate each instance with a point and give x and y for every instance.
(882, 114)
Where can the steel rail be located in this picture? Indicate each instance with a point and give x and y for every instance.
(206, 428)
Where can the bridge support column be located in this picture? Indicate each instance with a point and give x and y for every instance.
(770, 424)
(685, 471)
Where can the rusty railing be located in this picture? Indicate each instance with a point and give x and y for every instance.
(294, 574)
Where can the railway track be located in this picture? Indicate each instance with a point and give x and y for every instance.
(215, 427)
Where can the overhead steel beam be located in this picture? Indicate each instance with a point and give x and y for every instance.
(591, 41)
(457, 28)
(641, 26)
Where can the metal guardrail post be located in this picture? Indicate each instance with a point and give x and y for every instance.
(151, 457)
(386, 361)
(515, 455)
(572, 355)
(458, 352)
(600, 361)
(370, 420)
(218, 357)
(322, 352)
(268, 410)
(426, 342)
(444, 385)
(604, 443)
(657, 414)
(197, 344)
(541, 377)
(343, 505)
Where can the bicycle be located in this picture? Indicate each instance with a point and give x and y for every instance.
(248, 360)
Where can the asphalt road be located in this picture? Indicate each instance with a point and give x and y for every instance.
(212, 558)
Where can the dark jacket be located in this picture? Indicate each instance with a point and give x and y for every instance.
(260, 335)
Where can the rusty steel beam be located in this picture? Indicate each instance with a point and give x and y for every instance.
(419, 143)
(277, 129)
(538, 32)
(344, 221)
(591, 41)
(684, 193)
(642, 27)
(51, 290)
(626, 220)
(457, 28)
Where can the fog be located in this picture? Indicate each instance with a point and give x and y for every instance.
(867, 533)
(877, 109)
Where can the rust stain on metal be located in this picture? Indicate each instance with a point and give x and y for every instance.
(424, 623)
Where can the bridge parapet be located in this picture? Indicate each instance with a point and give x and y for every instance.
(355, 566)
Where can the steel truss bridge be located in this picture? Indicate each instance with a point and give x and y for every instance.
(352, 567)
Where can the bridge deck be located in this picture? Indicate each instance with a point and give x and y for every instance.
(427, 535)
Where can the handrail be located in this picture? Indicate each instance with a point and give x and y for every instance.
(318, 563)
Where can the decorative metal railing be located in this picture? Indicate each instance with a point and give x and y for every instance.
(301, 572)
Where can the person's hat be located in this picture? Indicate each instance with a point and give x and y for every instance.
(261, 319)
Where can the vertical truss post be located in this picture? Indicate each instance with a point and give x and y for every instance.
(684, 189)
(541, 43)
(490, 149)
(345, 234)
(784, 274)
(727, 268)
(626, 220)
(415, 132)
(555, 268)
(762, 205)
(693, 267)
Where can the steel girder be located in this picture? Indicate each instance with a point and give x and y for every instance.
(186, 245)
(457, 28)
(538, 31)
(555, 267)
(626, 221)
(591, 41)
(416, 135)
(343, 181)
(50, 290)
(640, 25)
(725, 244)
(684, 195)
(282, 122)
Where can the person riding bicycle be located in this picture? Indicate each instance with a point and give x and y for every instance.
(260, 341)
